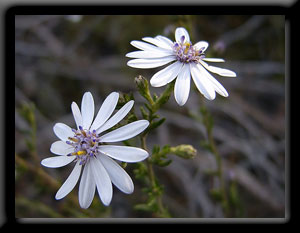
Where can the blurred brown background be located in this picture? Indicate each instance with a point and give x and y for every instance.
(58, 58)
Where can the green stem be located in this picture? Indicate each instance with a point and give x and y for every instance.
(151, 175)
(149, 165)
(153, 104)
(219, 171)
(164, 97)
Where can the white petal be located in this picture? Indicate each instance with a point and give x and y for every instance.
(182, 85)
(57, 161)
(181, 32)
(124, 153)
(166, 75)
(61, 148)
(102, 181)
(70, 183)
(117, 174)
(147, 47)
(77, 114)
(115, 119)
(125, 132)
(157, 42)
(147, 54)
(216, 85)
(62, 131)
(219, 71)
(166, 40)
(150, 63)
(213, 59)
(87, 110)
(201, 45)
(201, 82)
(105, 110)
(87, 187)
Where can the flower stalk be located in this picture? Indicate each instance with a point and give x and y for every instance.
(154, 103)
(159, 155)
(162, 212)
(207, 121)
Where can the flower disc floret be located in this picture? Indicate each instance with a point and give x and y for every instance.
(86, 144)
(185, 52)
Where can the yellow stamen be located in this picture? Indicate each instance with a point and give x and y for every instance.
(83, 132)
(187, 47)
(81, 152)
(73, 139)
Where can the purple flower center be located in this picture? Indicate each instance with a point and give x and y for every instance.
(186, 53)
(85, 144)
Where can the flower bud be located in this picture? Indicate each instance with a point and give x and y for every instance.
(141, 82)
(184, 151)
(143, 87)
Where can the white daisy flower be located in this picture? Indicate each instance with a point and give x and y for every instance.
(87, 147)
(187, 61)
